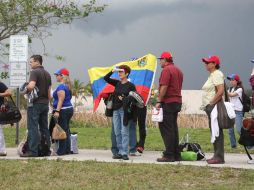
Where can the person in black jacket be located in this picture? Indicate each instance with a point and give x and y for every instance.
(122, 89)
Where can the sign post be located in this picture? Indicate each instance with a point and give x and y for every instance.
(18, 67)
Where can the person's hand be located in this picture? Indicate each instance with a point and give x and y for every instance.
(120, 98)
(56, 115)
(158, 105)
(117, 69)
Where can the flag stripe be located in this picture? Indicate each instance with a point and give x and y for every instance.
(137, 77)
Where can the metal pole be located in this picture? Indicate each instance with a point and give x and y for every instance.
(17, 124)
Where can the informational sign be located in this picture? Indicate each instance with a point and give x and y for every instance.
(18, 73)
(18, 59)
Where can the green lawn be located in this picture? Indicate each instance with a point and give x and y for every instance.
(43, 174)
(99, 138)
(59, 174)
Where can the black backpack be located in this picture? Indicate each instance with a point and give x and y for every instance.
(245, 100)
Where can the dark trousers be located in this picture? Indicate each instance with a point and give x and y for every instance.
(64, 121)
(37, 126)
(218, 144)
(141, 113)
(169, 130)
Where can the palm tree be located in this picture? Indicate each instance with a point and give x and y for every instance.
(77, 88)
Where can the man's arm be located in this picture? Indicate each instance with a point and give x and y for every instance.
(162, 93)
(31, 86)
(49, 92)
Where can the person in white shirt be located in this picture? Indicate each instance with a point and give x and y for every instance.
(235, 97)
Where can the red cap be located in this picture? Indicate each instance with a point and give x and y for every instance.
(215, 59)
(165, 55)
(62, 71)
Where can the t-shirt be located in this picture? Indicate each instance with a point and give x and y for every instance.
(172, 77)
(208, 90)
(67, 98)
(238, 106)
(43, 82)
(3, 88)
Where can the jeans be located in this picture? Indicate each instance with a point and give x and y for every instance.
(238, 124)
(64, 146)
(169, 130)
(2, 141)
(121, 132)
(142, 126)
(114, 148)
(132, 139)
(37, 116)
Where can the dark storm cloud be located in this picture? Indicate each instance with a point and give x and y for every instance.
(191, 29)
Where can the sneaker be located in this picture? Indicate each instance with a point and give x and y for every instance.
(250, 162)
(3, 153)
(165, 159)
(117, 156)
(134, 154)
(140, 149)
(125, 157)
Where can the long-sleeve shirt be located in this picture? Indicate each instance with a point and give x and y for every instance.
(120, 90)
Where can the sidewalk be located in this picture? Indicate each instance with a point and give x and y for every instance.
(148, 157)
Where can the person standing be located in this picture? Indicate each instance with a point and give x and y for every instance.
(170, 100)
(141, 116)
(122, 89)
(235, 97)
(63, 109)
(213, 90)
(4, 92)
(37, 112)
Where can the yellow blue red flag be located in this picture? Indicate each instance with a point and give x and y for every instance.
(142, 76)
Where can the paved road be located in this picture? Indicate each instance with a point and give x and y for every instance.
(148, 157)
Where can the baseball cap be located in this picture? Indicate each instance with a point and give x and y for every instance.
(165, 55)
(233, 77)
(214, 58)
(62, 71)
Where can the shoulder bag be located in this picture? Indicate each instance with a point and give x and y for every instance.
(9, 112)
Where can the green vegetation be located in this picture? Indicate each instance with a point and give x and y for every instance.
(41, 174)
(99, 138)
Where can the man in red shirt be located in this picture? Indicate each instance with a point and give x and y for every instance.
(170, 100)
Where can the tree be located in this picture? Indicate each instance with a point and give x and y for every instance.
(36, 17)
(77, 89)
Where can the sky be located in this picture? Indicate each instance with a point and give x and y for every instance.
(189, 29)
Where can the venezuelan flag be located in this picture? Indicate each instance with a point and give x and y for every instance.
(142, 76)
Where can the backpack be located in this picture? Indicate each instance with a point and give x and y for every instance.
(245, 100)
(43, 148)
(194, 147)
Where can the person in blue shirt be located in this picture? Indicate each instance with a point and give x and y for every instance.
(63, 109)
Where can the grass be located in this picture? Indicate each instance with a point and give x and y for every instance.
(59, 174)
(41, 174)
(99, 138)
